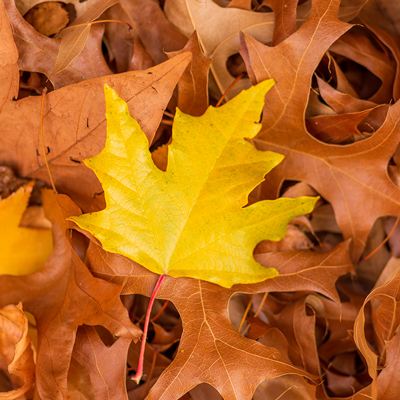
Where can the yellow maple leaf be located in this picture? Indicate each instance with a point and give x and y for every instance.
(23, 250)
(190, 220)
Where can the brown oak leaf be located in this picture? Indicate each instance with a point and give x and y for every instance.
(17, 353)
(74, 37)
(153, 29)
(193, 86)
(106, 365)
(75, 118)
(349, 169)
(38, 53)
(359, 48)
(385, 319)
(238, 364)
(62, 296)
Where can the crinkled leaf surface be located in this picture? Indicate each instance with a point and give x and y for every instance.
(17, 353)
(190, 221)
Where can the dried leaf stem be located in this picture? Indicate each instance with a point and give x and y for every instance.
(261, 304)
(165, 305)
(95, 22)
(245, 313)
(238, 78)
(147, 386)
(42, 137)
(256, 313)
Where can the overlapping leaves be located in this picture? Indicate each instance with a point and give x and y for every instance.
(352, 178)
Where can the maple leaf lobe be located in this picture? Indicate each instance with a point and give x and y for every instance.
(190, 220)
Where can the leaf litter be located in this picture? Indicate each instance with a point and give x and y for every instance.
(332, 113)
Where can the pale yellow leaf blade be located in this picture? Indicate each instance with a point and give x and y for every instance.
(23, 250)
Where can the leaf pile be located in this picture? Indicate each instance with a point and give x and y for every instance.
(72, 313)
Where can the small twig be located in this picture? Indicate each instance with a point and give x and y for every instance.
(168, 114)
(160, 312)
(245, 313)
(238, 78)
(261, 304)
(140, 320)
(256, 313)
(146, 387)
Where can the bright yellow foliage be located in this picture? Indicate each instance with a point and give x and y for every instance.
(190, 221)
(23, 250)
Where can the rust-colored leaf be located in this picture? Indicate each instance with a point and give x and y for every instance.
(330, 320)
(308, 159)
(38, 53)
(62, 296)
(17, 353)
(205, 320)
(78, 117)
(106, 365)
(73, 39)
(193, 85)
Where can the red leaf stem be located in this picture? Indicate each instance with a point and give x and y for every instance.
(139, 371)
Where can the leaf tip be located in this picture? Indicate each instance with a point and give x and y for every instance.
(264, 86)
(310, 203)
(110, 93)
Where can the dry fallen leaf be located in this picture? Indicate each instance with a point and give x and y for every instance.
(74, 37)
(153, 29)
(106, 365)
(119, 38)
(342, 102)
(206, 325)
(298, 327)
(17, 354)
(385, 318)
(77, 118)
(80, 6)
(346, 168)
(219, 35)
(193, 85)
(38, 53)
(47, 18)
(341, 128)
(203, 334)
(359, 48)
(79, 385)
(62, 296)
(330, 87)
